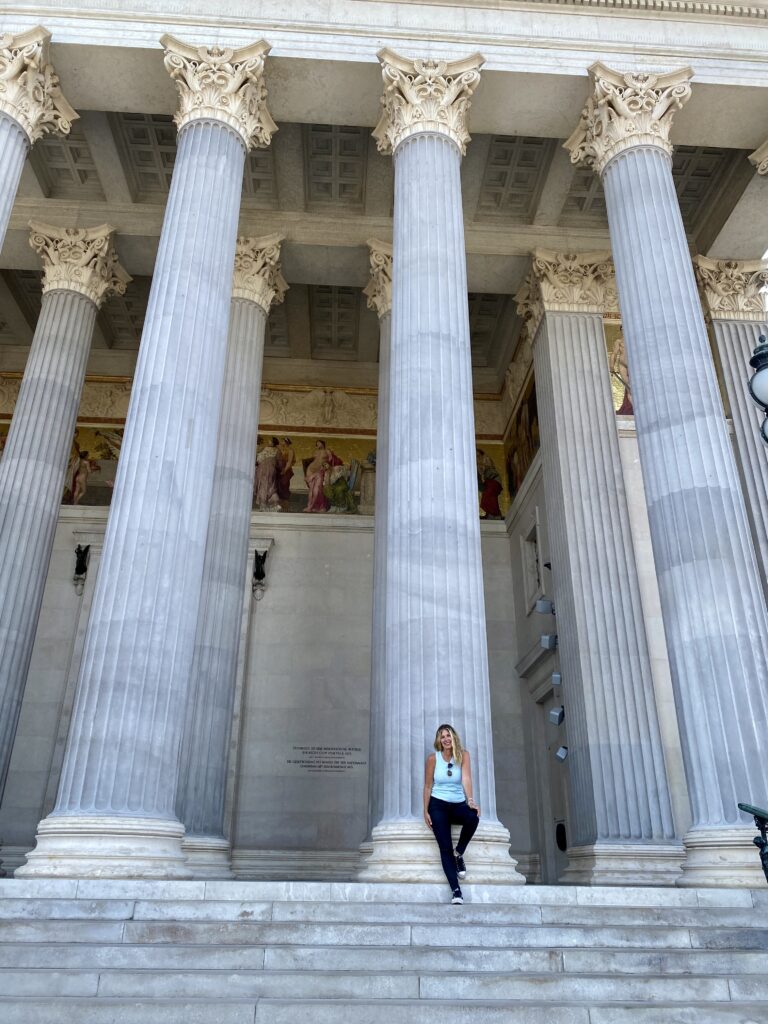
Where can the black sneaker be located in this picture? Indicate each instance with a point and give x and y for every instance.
(461, 867)
(457, 897)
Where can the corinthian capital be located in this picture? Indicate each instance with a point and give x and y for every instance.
(80, 260)
(627, 110)
(222, 84)
(733, 290)
(29, 87)
(378, 291)
(425, 96)
(257, 271)
(566, 283)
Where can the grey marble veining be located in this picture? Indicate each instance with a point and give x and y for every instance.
(617, 778)
(123, 748)
(32, 472)
(378, 630)
(712, 602)
(735, 341)
(436, 655)
(203, 765)
(14, 146)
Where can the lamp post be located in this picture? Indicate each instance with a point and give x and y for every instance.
(758, 382)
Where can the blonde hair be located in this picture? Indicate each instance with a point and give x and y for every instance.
(457, 751)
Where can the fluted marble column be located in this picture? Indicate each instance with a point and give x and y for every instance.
(379, 294)
(258, 284)
(620, 816)
(80, 269)
(712, 602)
(115, 812)
(31, 105)
(735, 295)
(436, 649)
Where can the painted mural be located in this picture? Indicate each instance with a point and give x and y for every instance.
(313, 472)
(522, 441)
(621, 389)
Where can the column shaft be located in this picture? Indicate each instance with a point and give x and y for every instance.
(735, 340)
(620, 814)
(378, 631)
(32, 474)
(436, 648)
(203, 766)
(14, 146)
(713, 606)
(122, 754)
(436, 656)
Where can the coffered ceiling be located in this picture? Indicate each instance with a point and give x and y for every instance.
(327, 190)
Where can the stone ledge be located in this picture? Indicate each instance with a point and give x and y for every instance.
(365, 892)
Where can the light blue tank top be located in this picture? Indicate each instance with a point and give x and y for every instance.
(445, 788)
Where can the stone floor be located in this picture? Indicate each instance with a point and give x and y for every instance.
(137, 952)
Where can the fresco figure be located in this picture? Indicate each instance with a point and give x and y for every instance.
(266, 499)
(286, 459)
(80, 468)
(489, 484)
(315, 470)
(340, 483)
(620, 373)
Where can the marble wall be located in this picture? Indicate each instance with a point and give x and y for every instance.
(301, 766)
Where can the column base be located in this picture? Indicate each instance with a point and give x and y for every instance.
(406, 851)
(106, 846)
(721, 858)
(208, 856)
(624, 864)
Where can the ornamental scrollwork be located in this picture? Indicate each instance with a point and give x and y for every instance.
(80, 260)
(566, 283)
(733, 289)
(29, 85)
(378, 291)
(626, 110)
(222, 84)
(425, 96)
(257, 271)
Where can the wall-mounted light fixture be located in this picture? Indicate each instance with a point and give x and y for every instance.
(557, 715)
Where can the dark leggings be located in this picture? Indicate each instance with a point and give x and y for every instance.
(443, 815)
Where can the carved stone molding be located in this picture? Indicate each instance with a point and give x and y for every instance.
(566, 283)
(79, 259)
(222, 84)
(29, 86)
(257, 271)
(425, 96)
(378, 291)
(733, 290)
(760, 158)
(635, 109)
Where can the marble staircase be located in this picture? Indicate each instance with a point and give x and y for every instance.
(112, 952)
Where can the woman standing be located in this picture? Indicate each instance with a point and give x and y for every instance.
(448, 801)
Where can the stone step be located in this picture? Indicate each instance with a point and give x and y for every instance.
(357, 892)
(476, 986)
(500, 935)
(372, 913)
(289, 1012)
(371, 958)
(284, 1011)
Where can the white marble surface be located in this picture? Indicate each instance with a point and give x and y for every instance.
(14, 146)
(713, 606)
(32, 472)
(123, 747)
(617, 779)
(210, 701)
